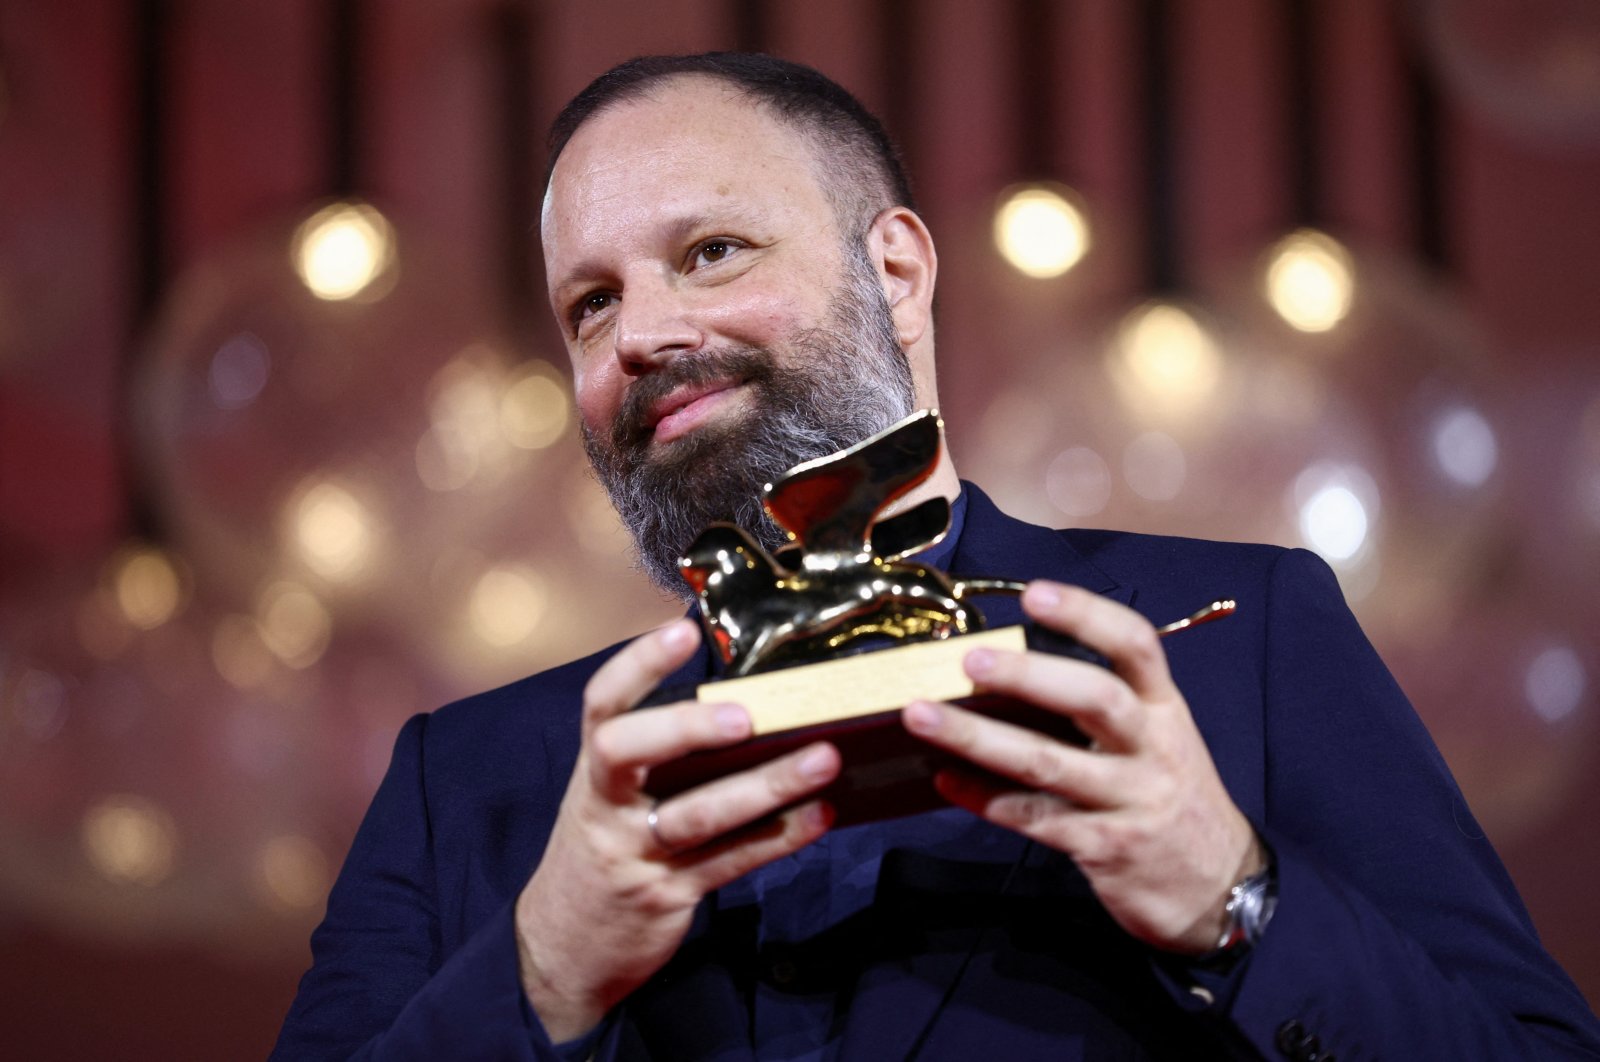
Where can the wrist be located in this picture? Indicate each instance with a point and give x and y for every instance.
(1247, 908)
(565, 1017)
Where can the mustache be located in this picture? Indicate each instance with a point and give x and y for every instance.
(632, 429)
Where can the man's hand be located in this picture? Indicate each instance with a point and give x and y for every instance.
(615, 891)
(1141, 810)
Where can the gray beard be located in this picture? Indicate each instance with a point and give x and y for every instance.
(841, 383)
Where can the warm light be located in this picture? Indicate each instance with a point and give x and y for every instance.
(1337, 506)
(341, 249)
(240, 655)
(332, 530)
(147, 587)
(1555, 683)
(1310, 280)
(1078, 482)
(131, 839)
(506, 605)
(463, 439)
(294, 872)
(534, 410)
(1164, 361)
(1041, 230)
(293, 624)
(1464, 446)
(1154, 466)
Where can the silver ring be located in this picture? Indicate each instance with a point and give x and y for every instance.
(653, 821)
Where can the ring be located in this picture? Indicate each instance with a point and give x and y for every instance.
(653, 821)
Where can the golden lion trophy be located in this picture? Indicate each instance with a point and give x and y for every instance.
(831, 635)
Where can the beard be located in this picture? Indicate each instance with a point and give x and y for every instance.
(837, 385)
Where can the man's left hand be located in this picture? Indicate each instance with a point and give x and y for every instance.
(1141, 810)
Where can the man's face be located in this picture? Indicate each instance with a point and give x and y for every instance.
(721, 327)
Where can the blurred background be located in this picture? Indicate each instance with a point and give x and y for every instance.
(286, 450)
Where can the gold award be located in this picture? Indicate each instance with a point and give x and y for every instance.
(831, 635)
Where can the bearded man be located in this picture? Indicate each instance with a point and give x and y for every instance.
(1258, 854)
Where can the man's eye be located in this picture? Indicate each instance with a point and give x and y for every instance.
(593, 304)
(713, 251)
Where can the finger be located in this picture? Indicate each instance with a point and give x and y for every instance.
(997, 799)
(1117, 632)
(1044, 817)
(737, 854)
(636, 669)
(656, 735)
(706, 813)
(1101, 705)
(1025, 756)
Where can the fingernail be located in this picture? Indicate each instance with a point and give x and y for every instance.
(980, 662)
(732, 720)
(818, 816)
(817, 764)
(677, 635)
(1043, 595)
(922, 716)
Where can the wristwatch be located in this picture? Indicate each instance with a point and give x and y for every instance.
(1249, 909)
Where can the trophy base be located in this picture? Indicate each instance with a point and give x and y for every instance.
(855, 703)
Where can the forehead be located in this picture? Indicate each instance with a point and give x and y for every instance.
(692, 145)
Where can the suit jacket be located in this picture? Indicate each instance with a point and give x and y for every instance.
(1397, 934)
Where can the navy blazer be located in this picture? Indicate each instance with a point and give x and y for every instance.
(1398, 934)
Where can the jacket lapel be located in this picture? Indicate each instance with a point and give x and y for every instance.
(998, 546)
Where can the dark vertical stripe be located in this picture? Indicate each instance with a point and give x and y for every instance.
(898, 49)
(516, 193)
(149, 126)
(1036, 86)
(1430, 211)
(151, 39)
(344, 96)
(1162, 255)
(750, 20)
(1302, 113)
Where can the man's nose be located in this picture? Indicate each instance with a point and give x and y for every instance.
(653, 327)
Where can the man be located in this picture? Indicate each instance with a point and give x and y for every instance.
(1259, 854)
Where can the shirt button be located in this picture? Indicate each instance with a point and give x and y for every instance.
(784, 972)
(1290, 1035)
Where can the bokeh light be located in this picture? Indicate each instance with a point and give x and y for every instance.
(293, 624)
(293, 872)
(332, 530)
(1165, 362)
(534, 410)
(147, 586)
(1041, 230)
(506, 605)
(239, 370)
(1310, 280)
(1078, 482)
(239, 653)
(1464, 446)
(342, 249)
(1154, 466)
(1337, 508)
(1555, 683)
(130, 839)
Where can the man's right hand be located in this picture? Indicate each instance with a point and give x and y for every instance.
(611, 899)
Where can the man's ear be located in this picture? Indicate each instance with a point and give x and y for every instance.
(902, 250)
